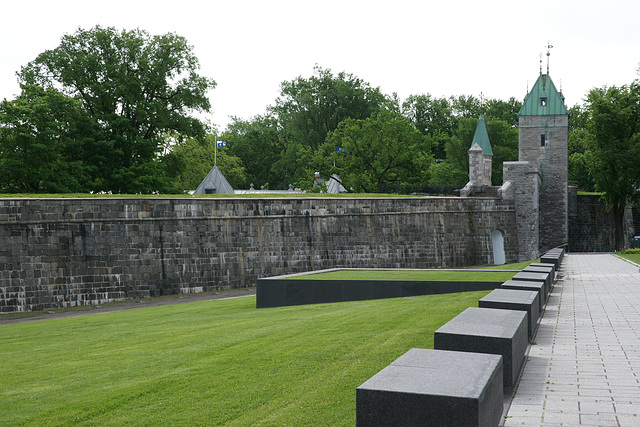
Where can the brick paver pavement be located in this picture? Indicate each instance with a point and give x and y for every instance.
(584, 368)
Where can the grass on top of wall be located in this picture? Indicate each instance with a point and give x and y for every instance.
(203, 196)
(440, 275)
(211, 363)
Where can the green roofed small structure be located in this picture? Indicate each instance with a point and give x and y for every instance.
(481, 137)
(480, 158)
(543, 99)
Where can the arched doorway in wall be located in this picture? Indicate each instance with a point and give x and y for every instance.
(497, 242)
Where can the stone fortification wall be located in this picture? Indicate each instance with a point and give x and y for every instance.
(67, 252)
(524, 184)
(591, 227)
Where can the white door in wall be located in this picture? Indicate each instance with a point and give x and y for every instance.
(497, 241)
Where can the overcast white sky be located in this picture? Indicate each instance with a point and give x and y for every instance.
(453, 47)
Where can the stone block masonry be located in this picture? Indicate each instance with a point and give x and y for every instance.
(68, 252)
(591, 226)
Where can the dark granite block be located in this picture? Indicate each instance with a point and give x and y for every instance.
(289, 290)
(524, 285)
(433, 387)
(534, 277)
(554, 256)
(551, 268)
(488, 330)
(512, 299)
(549, 282)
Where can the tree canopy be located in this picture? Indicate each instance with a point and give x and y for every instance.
(367, 153)
(48, 143)
(613, 148)
(135, 87)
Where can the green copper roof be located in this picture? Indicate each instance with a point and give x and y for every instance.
(543, 100)
(481, 137)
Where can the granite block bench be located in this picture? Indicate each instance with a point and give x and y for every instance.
(512, 299)
(435, 388)
(549, 281)
(553, 256)
(551, 268)
(524, 285)
(534, 277)
(488, 330)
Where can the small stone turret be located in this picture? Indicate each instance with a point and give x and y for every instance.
(480, 158)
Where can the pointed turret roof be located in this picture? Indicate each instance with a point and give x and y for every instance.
(215, 182)
(543, 100)
(481, 137)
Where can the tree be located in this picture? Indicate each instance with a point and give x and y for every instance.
(311, 108)
(262, 147)
(382, 149)
(614, 149)
(579, 140)
(48, 144)
(432, 117)
(136, 87)
(504, 140)
(466, 106)
(507, 111)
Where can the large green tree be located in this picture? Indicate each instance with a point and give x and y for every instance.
(310, 108)
(382, 149)
(261, 145)
(281, 147)
(48, 143)
(614, 149)
(433, 117)
(579, 141)
(136, 87)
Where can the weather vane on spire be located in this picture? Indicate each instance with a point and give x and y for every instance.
(540, 63)
(549, 46)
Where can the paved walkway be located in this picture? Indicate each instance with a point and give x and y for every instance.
(585, 366)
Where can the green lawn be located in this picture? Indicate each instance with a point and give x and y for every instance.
(516, 266)
(631, 257)
(211, 363)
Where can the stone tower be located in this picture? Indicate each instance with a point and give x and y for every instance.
(544, 138)
(480, 158)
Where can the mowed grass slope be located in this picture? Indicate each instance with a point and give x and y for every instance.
(211, 363)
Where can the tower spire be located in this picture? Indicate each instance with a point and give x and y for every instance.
(540, 63)
(549, 46)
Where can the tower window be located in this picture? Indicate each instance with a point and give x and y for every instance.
(543, 140)
(543, 101)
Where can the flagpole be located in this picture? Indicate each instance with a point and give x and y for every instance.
(215, 161)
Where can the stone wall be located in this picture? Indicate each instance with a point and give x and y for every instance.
(591, 227)
(523, 186)
(68, 252)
